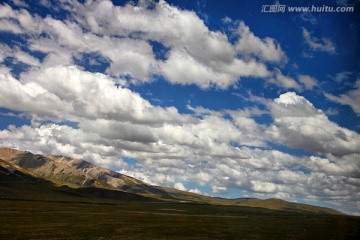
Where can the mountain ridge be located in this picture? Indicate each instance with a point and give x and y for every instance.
(80, 174)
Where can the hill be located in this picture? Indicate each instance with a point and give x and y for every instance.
(27, 175)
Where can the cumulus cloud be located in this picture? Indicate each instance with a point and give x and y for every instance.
(299, 124)
(68, 93)
(213, 134)
(108, 30)
(257, 172)
(127, 56)
(164, 23)
(20, 97)
(345, 166)
(250, 45)
(182, 68)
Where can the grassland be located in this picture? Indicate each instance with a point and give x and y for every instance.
(27, 219)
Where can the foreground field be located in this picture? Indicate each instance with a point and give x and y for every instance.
(24, 219)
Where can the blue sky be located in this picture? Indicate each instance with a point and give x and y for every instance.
(215, 98)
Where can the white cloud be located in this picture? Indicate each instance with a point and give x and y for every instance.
(182, 68)
(345, 166)
(308, 17)
(341, 76)
(20, 96)
(18, 55)
(214, 134)
(213, 63)
(126, 56)
(45, 3)
(6, 11)
(308, 81)
(351, 98)
(266, 187)
(283, 81)
(201, 111)
(70, 93)
(217, 189)
(197, 191)
(20, 3)
(268, 173)
(226, 20)
(164, 23)
(9, 26)
(316, 44)
(250, 45)
(299, 124)
(18, 21)
(180, 186)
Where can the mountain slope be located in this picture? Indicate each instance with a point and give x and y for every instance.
(77, 173)
(113, 179)
(19, 184)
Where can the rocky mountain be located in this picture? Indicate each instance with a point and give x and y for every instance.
(76, 172)
(19, 184)
(47, 175)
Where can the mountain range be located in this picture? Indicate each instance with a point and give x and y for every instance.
(24, 175)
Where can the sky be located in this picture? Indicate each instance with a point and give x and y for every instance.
(224, 98)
